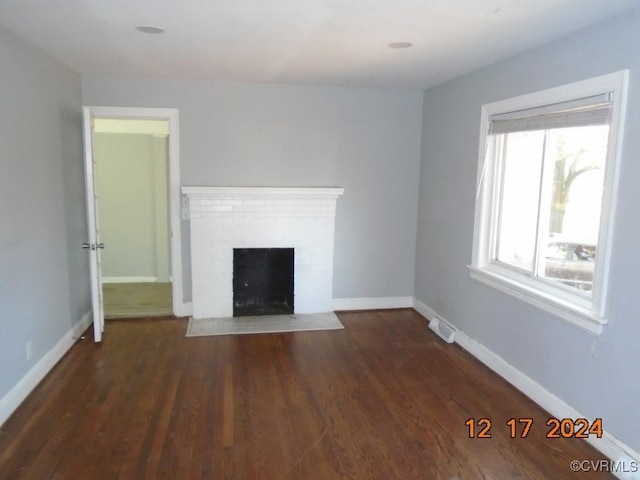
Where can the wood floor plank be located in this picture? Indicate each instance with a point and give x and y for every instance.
(382, 399)
(135, 300)
(228, 416)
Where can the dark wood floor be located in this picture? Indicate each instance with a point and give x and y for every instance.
(382, 399)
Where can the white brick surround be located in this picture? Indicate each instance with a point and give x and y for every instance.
(224, 218)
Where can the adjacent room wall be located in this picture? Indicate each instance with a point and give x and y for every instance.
(595, 375)
(131, 172)
(363, 139)
(44, 280)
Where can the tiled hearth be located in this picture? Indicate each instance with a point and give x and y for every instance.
(224, 218)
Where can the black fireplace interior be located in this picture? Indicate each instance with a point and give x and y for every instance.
(262, 281)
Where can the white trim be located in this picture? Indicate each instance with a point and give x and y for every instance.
(371, 303)
(581, 319)
(34, 376)
(262, 191)
(613, 448)
(608, 445)
(172, 116)
(423, 309)
(187, 309)
(610, 188)
(129, 279)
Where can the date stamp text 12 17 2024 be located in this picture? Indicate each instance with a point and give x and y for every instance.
(521, 427)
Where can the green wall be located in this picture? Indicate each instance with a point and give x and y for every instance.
(132, 205)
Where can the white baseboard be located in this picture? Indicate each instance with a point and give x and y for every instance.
(609, 445)
(129, 279)
(23, 388)
(372, 303)
(423, 309)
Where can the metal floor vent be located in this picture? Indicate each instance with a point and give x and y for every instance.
(442, 329)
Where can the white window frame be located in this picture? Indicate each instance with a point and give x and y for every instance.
(589, 314)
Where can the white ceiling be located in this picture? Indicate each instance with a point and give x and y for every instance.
(332, 42)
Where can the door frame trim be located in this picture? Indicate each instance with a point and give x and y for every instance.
(175, 223)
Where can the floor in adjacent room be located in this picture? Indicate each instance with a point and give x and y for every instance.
(382, 399)
(128, 300)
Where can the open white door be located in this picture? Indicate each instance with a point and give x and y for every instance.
(93, 245)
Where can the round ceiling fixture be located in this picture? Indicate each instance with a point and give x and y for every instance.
(150, 29)
(400, 45)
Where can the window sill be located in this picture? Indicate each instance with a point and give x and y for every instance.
(579, 317)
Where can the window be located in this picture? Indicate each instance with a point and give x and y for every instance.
(546, 195)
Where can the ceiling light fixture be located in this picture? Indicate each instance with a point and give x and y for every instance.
(400, 45)
(150, 29)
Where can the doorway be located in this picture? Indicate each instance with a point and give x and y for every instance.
(131, 171)
(133, 205)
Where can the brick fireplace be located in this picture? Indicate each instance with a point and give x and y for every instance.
(228, 218)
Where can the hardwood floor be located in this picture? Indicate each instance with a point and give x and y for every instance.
(128, 300)
(382, 399)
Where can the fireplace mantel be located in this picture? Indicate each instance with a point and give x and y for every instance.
(224, 218)
(330, 192)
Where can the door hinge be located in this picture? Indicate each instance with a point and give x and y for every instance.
(93, 246)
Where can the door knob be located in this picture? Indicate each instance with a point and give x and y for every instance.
(100, 245)
(86, 245)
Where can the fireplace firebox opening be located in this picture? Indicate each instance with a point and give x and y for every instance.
(262, 281)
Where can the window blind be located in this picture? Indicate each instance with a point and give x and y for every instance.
(594, 110)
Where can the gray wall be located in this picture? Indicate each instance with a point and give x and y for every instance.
(596, 375)
(365, 140)
(133, 207)
(44, 280)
